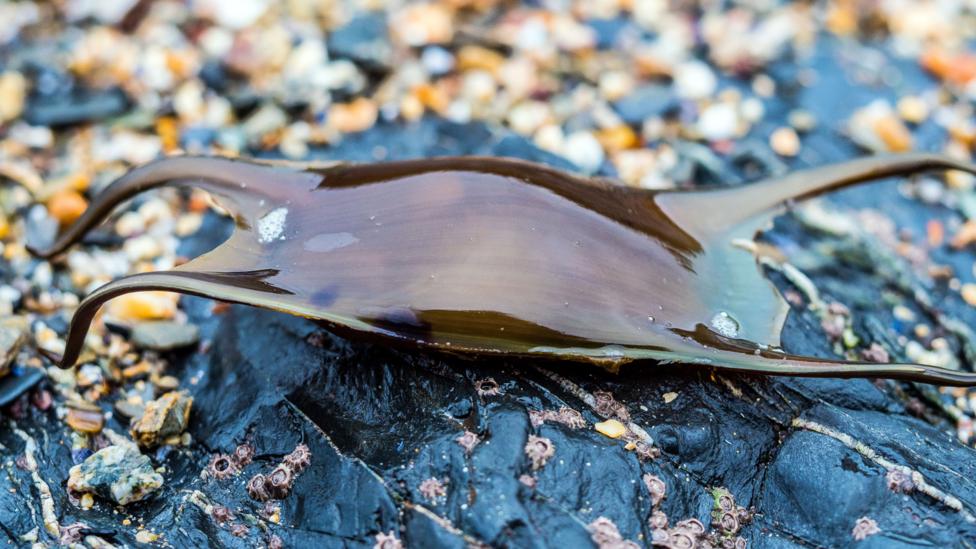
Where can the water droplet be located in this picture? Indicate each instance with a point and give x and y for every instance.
(724, 324)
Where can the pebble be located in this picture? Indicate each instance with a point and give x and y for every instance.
(85, 421)
(13, 95)
(437, 60)
(718, 122)
(423, 23)
(648, 101)
(877, 128)
(13, 335)
(363, 40)
(583, 150)
(143, 306)
(913, 109)
(16, 384)
(266, 119)
(118, 473)
(802, 120)
(528, 116)
(127, 408)
(785, 142)
(968, 292)
(66, 206)
(694, 80)
(164, 335)
(615, 85)
(235, 14)
(163, 418)
(355, 116)
(79, 107)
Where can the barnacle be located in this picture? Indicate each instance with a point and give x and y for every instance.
(387, 541)
(487, 387)
(656, 487)
(539, 450)
(432, 489)
(607, 406)
(257, 488)
(298, 459)
(658, 520)
(605, 535)
(221, 514)
(498, 256)
(900, 481)
(468, 441)
(279, 481)
(242, 455)
(864, 527)
(222, 467)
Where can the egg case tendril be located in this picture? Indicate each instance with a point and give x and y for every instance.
(499, 256)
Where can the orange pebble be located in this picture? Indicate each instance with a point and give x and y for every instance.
(66, 206)
(893, 133)
(478, 57)
(144, 306)
(957, 69)
(936, 233)
(618, 138)
(355, 116)
(168, 133)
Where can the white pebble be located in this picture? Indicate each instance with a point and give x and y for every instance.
(718, 122)
(694, 80)
(585, 151)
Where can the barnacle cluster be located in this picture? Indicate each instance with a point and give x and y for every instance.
(298, 459)
(607, 406)
(727, 517)
(539, 450)
(565, 415)
(277, 484)
(685, 534)
(900, 481)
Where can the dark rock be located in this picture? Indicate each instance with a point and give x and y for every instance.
(78, 107)
(15, 384)
(365, 41)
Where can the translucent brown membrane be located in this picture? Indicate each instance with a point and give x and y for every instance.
(485, 255)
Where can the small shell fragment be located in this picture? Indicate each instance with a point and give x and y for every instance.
(611, 428)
